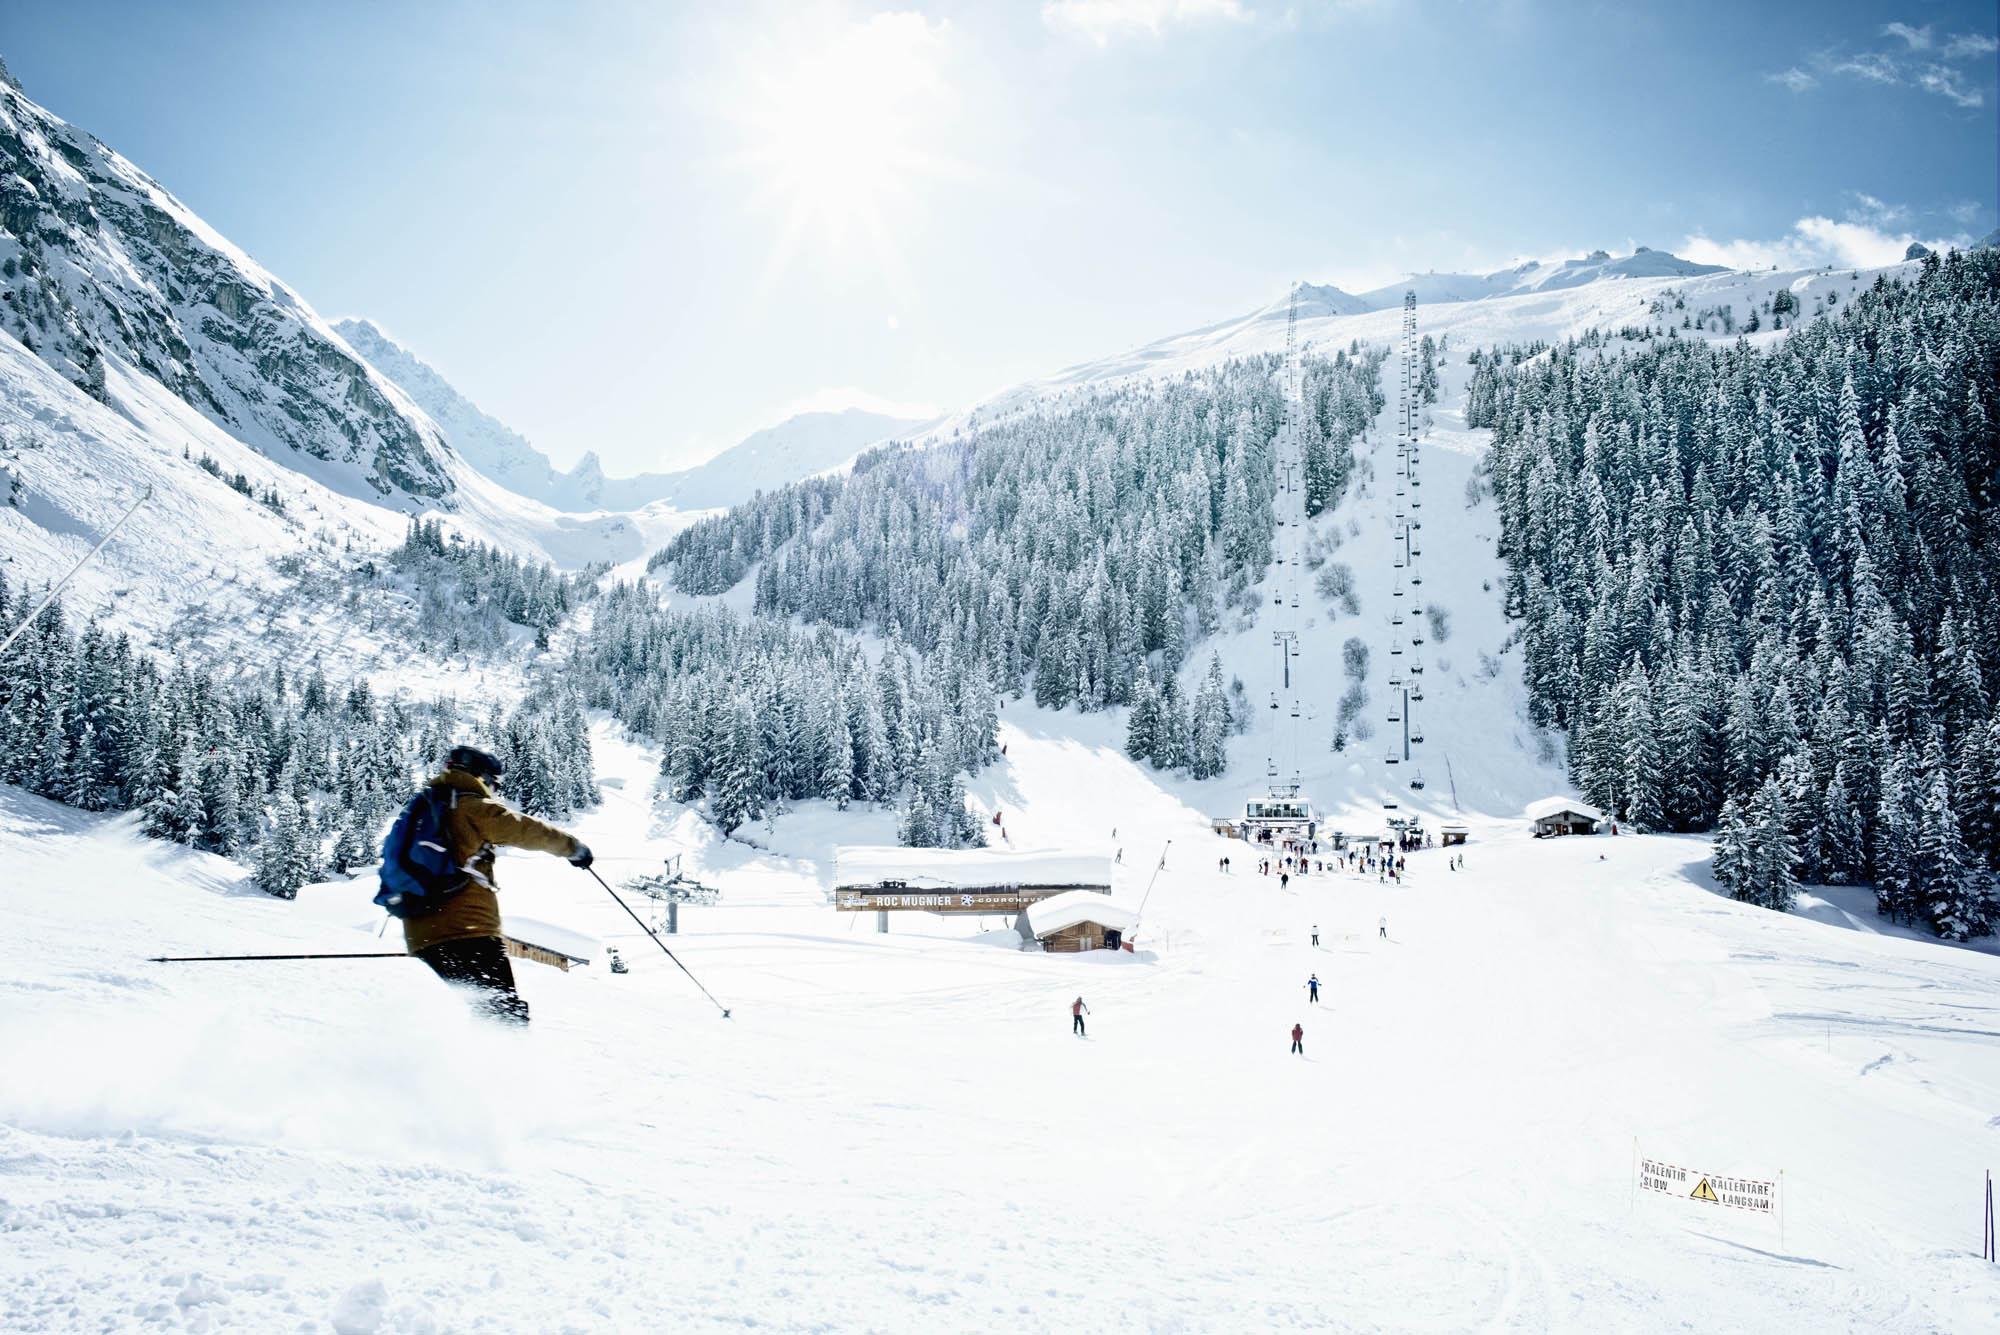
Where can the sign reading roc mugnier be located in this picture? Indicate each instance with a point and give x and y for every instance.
(889, 899)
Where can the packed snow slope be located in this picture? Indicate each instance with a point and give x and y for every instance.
(800, 446)
(898, 1132)
(1478, 752)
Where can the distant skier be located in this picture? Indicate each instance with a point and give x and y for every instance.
(461, 940)
(1312, 989)
(1315, 934)
(1299, 1039)
(1382, 927)
(1284, 880)
(1077, 1010)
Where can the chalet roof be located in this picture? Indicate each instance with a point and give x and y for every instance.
(561, 940)
(860, 867)
(1080, 906)
(1556, 806)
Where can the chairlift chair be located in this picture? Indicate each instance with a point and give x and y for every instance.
(1416, 733)
(1417, 780)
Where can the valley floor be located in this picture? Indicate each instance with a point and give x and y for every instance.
(900, 1133)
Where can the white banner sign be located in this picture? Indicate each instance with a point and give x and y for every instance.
(1741, 1193)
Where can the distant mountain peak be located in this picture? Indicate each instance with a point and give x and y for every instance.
(800, 446)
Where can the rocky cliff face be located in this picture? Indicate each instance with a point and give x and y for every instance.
(98, 261)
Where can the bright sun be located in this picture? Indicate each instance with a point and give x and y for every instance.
(838, 132)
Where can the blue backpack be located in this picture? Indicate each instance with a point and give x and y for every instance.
(418, 870)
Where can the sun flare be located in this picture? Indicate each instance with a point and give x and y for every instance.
(840, 132)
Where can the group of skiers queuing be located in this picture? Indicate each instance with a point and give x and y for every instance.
(1303, 858)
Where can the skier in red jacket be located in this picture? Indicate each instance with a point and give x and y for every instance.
(1298, 1039)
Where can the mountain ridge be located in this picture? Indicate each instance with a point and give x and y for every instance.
(799, 446)
(99, 262)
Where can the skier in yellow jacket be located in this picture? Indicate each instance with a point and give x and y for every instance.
(461, 941)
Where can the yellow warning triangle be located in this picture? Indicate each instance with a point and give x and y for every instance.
(1704, 1192)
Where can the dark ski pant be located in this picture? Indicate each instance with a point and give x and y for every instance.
(1298, 1047)
(1076, 1024)
(481, 962)
(1312, 994)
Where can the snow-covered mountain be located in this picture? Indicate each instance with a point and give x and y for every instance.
(797, 447)
(100, 264)
(1533, 301)
(1320, 301)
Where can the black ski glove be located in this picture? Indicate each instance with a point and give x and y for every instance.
(581, 859)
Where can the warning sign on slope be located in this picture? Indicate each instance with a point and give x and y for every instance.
(1741, 1193)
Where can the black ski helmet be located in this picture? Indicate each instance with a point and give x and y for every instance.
(474, 761)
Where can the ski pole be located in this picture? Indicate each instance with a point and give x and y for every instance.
(656, 940)
(218, 959)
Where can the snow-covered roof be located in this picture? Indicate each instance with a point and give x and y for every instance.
(859, 867)
(534, 932)
(1078, 906)
(1555, 806)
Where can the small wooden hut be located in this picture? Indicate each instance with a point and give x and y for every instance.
(1563, 815)
(1076, 921)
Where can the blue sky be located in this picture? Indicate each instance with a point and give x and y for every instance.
(647, 229)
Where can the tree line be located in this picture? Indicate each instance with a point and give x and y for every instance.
(1759, 589)
(1076, 552)
(754, 713)
(287, 770)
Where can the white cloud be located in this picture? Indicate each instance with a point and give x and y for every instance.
(1945, 82)
(1101, 20)
(1870, 65)
(1868, 209)
(1903, 66)
(1964, 212)
(1812, 243)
